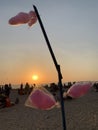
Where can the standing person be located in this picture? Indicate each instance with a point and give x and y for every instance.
(27, 88)
(7, 90)
(21, 90)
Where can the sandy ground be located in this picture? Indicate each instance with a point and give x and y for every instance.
(81, 114)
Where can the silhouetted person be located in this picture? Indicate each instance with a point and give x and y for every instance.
(7, 90)
(20, 91)
(27, 88)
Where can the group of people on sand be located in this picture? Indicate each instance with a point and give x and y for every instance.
(4, 95)
(25, 89)
(54, 90)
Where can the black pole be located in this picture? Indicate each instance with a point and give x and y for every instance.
(56, 65)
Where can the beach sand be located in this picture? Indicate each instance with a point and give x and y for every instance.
(81, 114)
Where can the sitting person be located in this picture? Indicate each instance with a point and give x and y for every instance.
(2, 101)
(5, 101)
(95, 87)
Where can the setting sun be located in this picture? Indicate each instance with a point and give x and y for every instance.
(35, 77)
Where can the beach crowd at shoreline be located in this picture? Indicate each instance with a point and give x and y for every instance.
(81, 114)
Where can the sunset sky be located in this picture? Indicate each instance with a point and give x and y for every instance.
(72, 29)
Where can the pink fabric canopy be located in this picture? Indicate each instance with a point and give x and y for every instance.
(23, 18)
(41, 99)
(79, 89)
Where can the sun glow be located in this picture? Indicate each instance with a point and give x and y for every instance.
(35, 77)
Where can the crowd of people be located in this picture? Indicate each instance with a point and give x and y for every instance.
(4, 95)
(25, 89)
(5, 91)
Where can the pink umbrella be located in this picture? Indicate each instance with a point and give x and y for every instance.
(23, 18)
(41, 99)
(79, 89)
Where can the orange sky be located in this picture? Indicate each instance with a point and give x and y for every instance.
(72, 30)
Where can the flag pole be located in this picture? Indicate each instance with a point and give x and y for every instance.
(56, 65)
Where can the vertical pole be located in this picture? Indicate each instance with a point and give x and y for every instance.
(61, 95)
(56, 65)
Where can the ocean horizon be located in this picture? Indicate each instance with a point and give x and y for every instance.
(16, 86)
